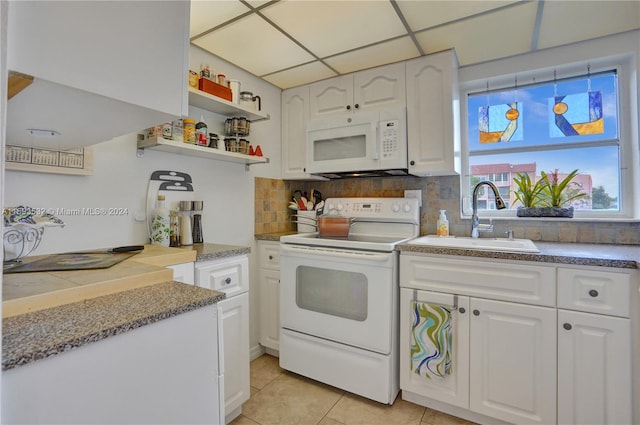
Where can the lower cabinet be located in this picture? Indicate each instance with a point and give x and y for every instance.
(524, 343)
(183, 272)
(231, 276)
(502, 356)
(234, 314)
(269, 283)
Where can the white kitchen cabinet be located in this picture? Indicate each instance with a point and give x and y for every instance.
(433, 115)
(295, 114)
(269, 283)
(183, 272)
(594, 365)
(504, 337)
(161, 373)
(512, 371)
(378, 88)
(120, 66)
(595, 368)
(527, 356)
(231, 275)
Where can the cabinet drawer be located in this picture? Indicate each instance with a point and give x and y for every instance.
(594, 291)
(517, 282)
(230, 276)
(269, 255)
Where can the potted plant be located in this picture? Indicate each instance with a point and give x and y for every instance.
(548, 197)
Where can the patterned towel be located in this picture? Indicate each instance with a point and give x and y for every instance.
(431, 338)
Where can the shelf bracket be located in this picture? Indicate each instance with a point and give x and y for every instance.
(247, 165)
(140, 152)
(268, 117)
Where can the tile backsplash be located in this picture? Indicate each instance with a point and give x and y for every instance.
(438, 193)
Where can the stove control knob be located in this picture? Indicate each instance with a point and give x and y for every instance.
(396, 208)
(407, 207)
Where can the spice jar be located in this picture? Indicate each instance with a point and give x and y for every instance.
(177, 131)
(189, 130)
(213, 140)
(222, 80)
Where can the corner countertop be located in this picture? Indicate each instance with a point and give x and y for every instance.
(44, 333)
(603, 255)
(209, 251)
(274, 237)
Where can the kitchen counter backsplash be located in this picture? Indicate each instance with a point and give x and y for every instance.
(438, 193)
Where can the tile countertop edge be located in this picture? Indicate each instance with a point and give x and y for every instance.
(601, 255)
(41, 334)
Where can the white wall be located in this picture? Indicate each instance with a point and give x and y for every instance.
(120, 180)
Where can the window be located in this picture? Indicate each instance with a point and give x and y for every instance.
(547, 125)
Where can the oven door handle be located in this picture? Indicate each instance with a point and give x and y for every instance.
(334, 253)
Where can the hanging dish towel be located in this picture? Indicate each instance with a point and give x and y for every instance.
(431, 338)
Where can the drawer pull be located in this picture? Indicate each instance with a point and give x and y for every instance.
(593, 293)
(462, 310)
(476, 312)
(271, 257)
(227, 281)
(567, 326)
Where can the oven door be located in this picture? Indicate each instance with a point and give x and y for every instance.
(345, 296)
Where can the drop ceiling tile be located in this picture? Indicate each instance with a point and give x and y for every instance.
(568, 22)
(426, 14)
(300, 75)
(391, 51)
(209, 14)
(486, 37)
(330, 27)
(253, 45)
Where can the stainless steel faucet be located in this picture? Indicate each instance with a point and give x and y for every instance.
(475, 220)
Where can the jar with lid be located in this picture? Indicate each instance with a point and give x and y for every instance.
(177, 131)
(189, 130)
(213, 140)
(202, 136)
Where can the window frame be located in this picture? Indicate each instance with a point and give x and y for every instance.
(474, 79)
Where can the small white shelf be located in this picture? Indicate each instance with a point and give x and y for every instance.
(171, 146)
(216, 104)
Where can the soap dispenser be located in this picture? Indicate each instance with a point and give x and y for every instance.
(443, 224)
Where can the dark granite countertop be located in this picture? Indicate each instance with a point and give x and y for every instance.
(33, 336)
(210, 251)
(619, 256)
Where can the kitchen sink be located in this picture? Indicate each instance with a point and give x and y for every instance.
(483, 244)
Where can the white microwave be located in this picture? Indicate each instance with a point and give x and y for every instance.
(362, 143)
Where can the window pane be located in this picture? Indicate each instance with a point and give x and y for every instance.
(571, 111)
(598, 174)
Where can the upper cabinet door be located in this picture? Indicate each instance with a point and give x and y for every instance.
(101, 69)
(134, 51)
(331, 97)
(380, 88)
(433, 115)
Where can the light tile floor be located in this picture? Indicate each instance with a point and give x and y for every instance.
(279, 397)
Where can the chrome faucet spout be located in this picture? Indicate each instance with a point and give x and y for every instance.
(475, 220)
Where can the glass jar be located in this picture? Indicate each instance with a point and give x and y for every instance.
(213, 140)
(189, 130)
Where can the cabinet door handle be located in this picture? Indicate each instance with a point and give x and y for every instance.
(593, 293)
(227, 281)
(412, 163)
(476, 312)
(348, 107)
(462, 310)
(567, 326)
(271, 257)
(356, 105)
